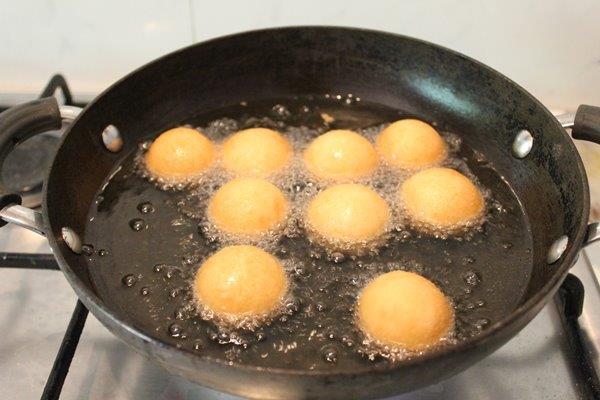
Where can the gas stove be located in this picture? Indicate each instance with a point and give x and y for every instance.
(53, 349)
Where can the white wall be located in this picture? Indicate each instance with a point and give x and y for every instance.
(550, 47)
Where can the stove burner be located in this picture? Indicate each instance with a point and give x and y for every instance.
(25, 167)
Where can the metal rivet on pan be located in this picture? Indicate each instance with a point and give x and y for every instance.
(522, 144)
(557, 249)
(112, 139)
(71, 239)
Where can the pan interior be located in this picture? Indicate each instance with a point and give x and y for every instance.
(143, 275)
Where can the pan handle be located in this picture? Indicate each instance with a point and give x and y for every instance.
(23, 216)
(593, 234)
(18, 124)
(585, 125)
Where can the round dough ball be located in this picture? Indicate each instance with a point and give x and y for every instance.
(341, 156)
(441, 197)
(179, 154)
(240, 281)
(411, 144)
(404, 310)
(348, 213)
(247, 206)
(256, 152)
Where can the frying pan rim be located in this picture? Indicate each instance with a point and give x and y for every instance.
(96, 305)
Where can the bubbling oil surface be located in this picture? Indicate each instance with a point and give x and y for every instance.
(144, 245)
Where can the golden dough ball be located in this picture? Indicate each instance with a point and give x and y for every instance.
(240, 281)
(341, 155)
(404, 310)
(179, 154)
(247, 206)
(348, 213)
(441, 197)
(256, 152)
(411, 144)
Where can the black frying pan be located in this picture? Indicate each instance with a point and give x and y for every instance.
(522, 256)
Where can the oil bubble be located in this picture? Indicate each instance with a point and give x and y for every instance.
(468, 260)
(297, 187)
(137, 224)
(330, 354)
(145, 291)
(472, 278)
(347, 341)
(338, 257)
(175, 330)
(212, 335)
(482, 323)
(299, 270)
(102, 252)
(179, 313)
(223, 337)
(293, 305)
(321, 307)
(158, 267)
(282, 252)
(87, 249)
(189, 260)
(145, 208)
(281, 111)
(129, 280)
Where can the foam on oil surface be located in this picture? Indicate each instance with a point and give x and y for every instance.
(146, 243)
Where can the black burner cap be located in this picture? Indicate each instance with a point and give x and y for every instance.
(25, 167)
